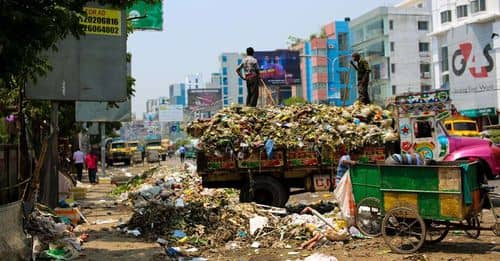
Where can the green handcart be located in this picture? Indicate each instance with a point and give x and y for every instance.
(413, 205)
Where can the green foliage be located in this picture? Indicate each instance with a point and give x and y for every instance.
(294, 101)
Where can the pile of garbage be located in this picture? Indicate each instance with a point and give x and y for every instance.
(53, 236)
(294, 126)
(172, 208)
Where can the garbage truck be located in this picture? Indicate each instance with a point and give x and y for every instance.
(271, 180)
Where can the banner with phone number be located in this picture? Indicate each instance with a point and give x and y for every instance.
(101, 21)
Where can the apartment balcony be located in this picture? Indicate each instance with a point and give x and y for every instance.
(318, 43)
(319, 61)
(320, 78)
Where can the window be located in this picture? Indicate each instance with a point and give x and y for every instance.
(224, 58)
(464, 126)
(240, 81)
(226, 91)
(423, 47)
(342, 38)
(224, 70)
(444, 59)
(425, 88)
(376, 71)
(240, 100)
(446, 16)
(423, 25)
(319, 69)
(391, 25)
(392, 46)
(344, 61)
(239, 61)
(393, 68)
(394, 90)
(226, 102)
(445, 81)
(224, 81)
(477, 6)
(462, 11)
(240, 91)
(448, 126)
(425, 70)
(344, 77)
(422, 129)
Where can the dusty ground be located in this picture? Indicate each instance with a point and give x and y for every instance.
(105, 243)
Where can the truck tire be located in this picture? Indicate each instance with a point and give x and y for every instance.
(267, 190)
(163, 157)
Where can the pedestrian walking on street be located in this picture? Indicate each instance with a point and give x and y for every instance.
(182, 153)
(250, 67)
(363, 69)
(91, 163)
(79, 160)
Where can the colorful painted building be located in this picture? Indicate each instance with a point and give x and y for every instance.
(326, 74)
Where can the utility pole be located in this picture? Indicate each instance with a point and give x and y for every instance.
(103, 148)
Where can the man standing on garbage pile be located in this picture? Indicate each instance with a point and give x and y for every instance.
(344, 163)
(78, 159)
(363, 69)
(252, 77)
(182, 153)
(91, 163)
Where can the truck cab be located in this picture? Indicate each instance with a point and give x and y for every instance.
(461, 126)
(119, 151)
(421, 130)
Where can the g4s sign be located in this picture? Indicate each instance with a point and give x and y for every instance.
(462, 56)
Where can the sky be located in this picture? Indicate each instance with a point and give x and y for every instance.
(196, 32)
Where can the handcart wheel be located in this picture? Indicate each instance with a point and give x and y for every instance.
(474, 227)
(496, 229)
(369, 217)
(403, 230)
(436, 232)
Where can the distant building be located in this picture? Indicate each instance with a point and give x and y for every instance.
(152, 106)
(178, 94)
(395, 42)
(466, 50)
(215, 81)
(193, 81)
(326, 77)
(233, 88)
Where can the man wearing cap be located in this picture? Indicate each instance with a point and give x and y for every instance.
(363, 69)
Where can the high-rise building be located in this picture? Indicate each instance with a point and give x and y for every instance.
(152, 106)
(326, 76)
(215, 81)
(465, 50)
(233, 90)
(395, 42)
(177, 94)
(193, 81)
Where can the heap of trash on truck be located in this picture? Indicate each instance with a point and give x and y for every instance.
(172, 208)
(242, 128)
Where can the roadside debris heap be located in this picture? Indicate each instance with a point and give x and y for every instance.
(293, 126)
(172, 208)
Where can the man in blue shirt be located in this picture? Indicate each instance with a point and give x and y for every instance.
(344, 163)
(182, 153)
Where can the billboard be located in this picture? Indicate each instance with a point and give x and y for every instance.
(170, 113)
(472, 66)
(101, 112)
(92, 68)
(205, 99)
(145, 15)
(280, 67)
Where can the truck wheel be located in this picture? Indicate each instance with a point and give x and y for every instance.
(164, 157)
(266, 190)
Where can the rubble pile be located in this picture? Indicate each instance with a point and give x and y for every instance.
(53, 236)
(172, 208)
(293, 126)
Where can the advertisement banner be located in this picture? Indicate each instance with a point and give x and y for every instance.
(205, 99)
(169, 113)
(146, 16)
(280, 67)
(101, 21)
(472, 69)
